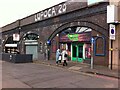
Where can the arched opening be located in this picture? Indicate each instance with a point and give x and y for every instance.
(11, 45)
(91, 25)
(75, 37)
(76, 40)
(31, 44)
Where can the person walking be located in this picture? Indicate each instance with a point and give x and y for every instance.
(64, 57)
(60, 57)
(57, 56)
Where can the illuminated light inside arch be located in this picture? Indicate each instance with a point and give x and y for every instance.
(78, 30)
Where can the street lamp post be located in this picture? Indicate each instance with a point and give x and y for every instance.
(92, 54)
(57, 40)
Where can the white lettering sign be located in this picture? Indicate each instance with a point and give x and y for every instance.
(51, 12)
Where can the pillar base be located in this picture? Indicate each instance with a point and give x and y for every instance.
(114, 67)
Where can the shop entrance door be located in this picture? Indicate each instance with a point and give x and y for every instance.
(77, 52)
(32, 49)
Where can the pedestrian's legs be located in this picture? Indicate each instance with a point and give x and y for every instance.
(59, 61)
(56, 62)
(65, 62)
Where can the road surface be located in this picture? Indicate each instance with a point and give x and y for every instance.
(32, 75)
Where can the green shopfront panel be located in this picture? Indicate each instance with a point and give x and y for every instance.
(77, 52)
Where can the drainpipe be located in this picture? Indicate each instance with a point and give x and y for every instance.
(19, 28)
(111, 55)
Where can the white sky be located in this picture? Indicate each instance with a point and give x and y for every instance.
(12, 10)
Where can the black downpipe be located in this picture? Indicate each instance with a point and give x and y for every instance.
(111, 54)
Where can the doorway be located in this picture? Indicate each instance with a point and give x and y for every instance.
(31, 44)
(32, 49)
(77, 52)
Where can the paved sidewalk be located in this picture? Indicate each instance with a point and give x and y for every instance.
(83, 67)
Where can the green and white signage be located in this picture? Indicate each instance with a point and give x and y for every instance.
(73, 37)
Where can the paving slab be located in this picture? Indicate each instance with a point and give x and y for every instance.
(14, 83)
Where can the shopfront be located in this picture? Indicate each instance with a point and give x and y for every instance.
(77, 43)
(77, 52)
(31, 44)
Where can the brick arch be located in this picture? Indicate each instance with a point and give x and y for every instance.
(9, 39)
(93, 26)
(28, 32)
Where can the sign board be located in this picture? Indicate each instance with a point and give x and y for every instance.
(112, 32)
(112, 14)
(10, 45)
(48, 42)
(75, 37)
(92, 40)
(16, 37)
